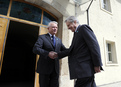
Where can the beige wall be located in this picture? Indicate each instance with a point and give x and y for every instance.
(106, 26)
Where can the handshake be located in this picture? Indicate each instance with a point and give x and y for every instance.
(53, 55)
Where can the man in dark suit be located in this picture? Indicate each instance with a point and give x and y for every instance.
(83, 55)
(47, 67)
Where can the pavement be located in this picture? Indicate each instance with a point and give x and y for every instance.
(116, 84)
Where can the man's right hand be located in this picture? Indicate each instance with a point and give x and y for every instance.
(53, 55)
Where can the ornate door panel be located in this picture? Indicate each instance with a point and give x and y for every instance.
(3, 33)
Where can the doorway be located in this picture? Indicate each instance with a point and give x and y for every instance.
(18, 69)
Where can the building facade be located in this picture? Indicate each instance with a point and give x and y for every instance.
(21, 21)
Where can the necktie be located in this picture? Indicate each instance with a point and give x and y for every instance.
(53, 39)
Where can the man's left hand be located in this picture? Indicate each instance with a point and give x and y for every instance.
(97, 69)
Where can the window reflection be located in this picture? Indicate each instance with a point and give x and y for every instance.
(47, 18)
(4, 4)
(26, 12)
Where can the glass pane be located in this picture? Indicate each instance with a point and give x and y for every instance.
(26, 12)
(110, 56)
(104, 1)
(109, 47)
(47, 18)
(4, 4)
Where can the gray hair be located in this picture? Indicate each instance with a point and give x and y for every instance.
(72, 19)
(52, 22)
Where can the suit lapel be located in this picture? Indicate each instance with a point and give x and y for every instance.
(49, 39)
(56, 39)
(74, 38)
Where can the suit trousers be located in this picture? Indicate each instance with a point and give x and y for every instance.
(49, 80)
(85, 82)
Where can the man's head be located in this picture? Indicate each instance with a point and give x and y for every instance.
(52, 27)
(72, 22)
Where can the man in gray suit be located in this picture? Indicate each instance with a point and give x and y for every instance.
(83, 55)
(47, 67)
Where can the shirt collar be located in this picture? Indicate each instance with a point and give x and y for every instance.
(51, 35)
(76, 28)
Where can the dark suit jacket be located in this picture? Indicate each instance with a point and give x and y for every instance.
(84, 53)
(42, 47)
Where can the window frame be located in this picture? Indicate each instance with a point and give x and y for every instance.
(109, 53)
(113, 61)
(106, 6)
(23, 20)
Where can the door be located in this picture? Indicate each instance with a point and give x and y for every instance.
(3, 33)
(18, 67)
(43, 30)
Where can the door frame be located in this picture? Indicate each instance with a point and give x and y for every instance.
(4, 42)
(42, 30)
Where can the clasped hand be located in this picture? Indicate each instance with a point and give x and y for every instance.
(53, 55)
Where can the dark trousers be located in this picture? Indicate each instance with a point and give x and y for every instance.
(49, 80)
(85, 82)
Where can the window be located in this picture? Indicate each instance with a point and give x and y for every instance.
(47, 18)
(26, 11)
(111, 53)
(4, 6)
(106, 5)
(21, 9)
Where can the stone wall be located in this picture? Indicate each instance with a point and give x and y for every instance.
(106, 26)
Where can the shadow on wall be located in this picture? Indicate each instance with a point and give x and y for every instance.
(119, 1)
